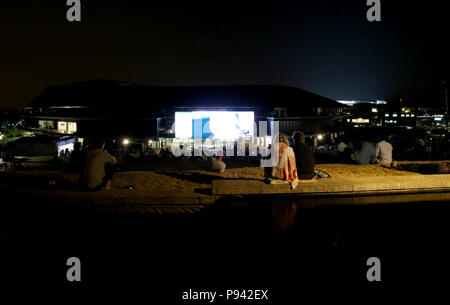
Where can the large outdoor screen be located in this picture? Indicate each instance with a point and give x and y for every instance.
(214, 124)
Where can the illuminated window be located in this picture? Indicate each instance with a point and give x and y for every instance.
(360, 121)
(402, 115)
(46, 124)
(62, 127)
(72, 127)
(67, 127)
(374, 110)
(394, 115)
(386, 115)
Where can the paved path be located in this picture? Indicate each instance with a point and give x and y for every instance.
(333, 186)
(323, 191)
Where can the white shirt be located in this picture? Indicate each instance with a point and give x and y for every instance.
(341, 147)
(384, 152)
(94, 168)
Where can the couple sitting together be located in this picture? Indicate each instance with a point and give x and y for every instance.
(293, 163)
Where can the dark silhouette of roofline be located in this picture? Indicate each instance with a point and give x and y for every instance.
(107, 94)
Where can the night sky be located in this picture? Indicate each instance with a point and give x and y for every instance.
(327, 47)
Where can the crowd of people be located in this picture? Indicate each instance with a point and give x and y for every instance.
(95, 165)
(295, 163)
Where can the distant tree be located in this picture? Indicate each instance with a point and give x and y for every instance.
(14, 132)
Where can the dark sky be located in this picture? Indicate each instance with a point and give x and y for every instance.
(327, 47)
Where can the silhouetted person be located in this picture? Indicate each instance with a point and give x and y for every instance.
(98, 168)
(367, 153)
(304, 157)
(77, 157)
(344, 151)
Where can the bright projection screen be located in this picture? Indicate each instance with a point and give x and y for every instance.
(214, 124)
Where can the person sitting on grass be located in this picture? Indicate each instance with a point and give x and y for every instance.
(304, 157)
(77, 156)
(383, 151)
(367, 153)
(98, 167)
(215, 164)
(285, 169)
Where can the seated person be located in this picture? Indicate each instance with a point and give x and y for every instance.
(286, 168)
(344, 151)
(366, 155)
(77, 156)
(98, 167)
(304, 157)
(215, 164)
(383, 151)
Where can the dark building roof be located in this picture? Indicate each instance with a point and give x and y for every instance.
(161, 100)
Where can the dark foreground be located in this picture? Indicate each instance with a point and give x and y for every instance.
(233, 244)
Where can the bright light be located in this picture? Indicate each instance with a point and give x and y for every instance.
(125, 142)
(402, 115)
(361, 121)
(214, 124)
(386, 115)
(63, 147)
(374, 110)
(320, 137)
(394, 115)
(150, 142)
(62, 127)
(349, 103)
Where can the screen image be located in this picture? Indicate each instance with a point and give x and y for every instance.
(214, 124)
